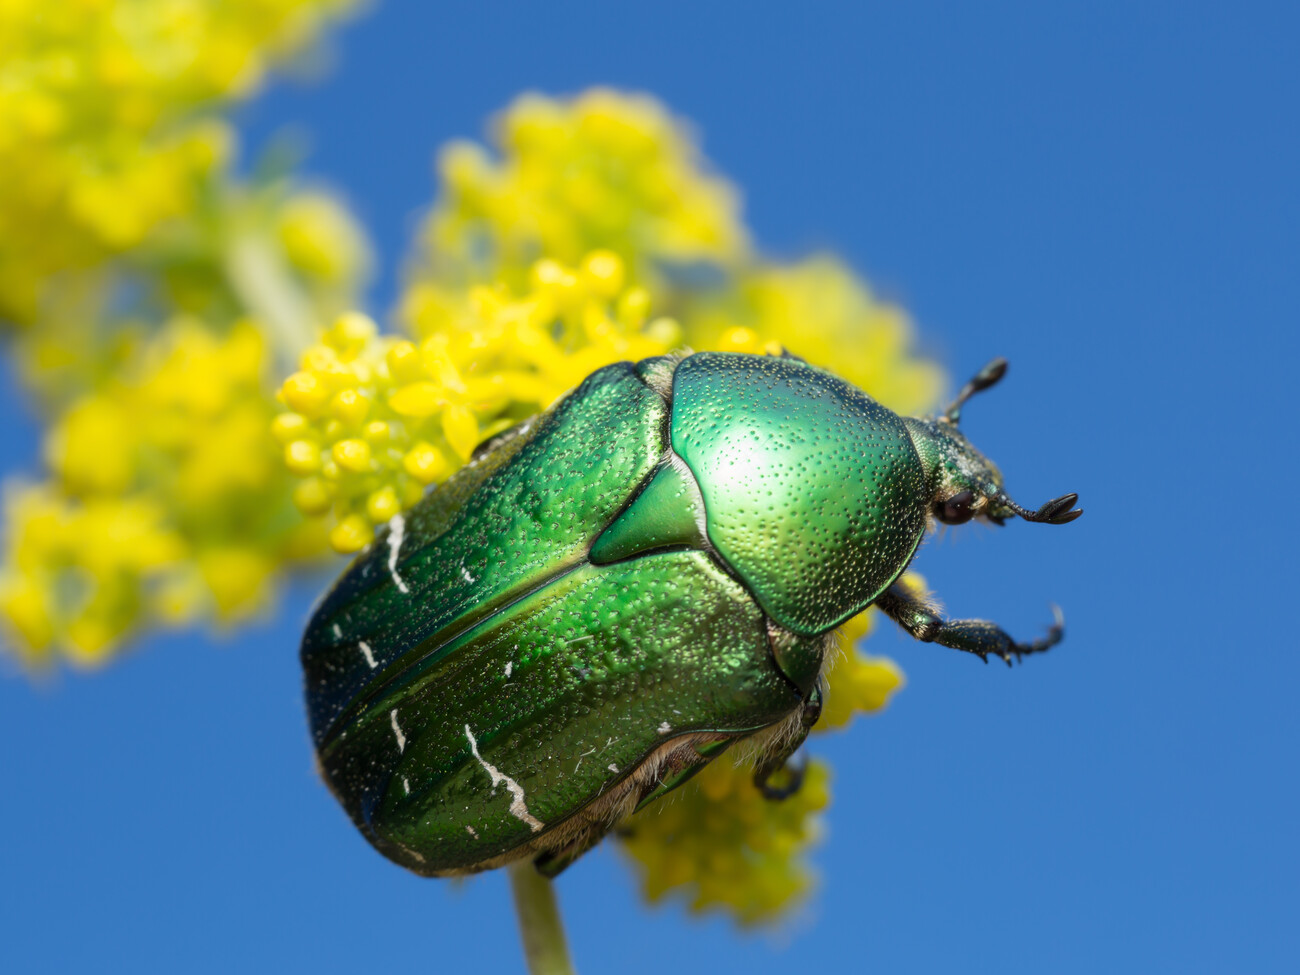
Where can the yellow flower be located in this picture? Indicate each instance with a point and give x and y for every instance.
(857, 683)
(372, 420)
(167, 501)
(821, 311)
(102, 128)
(322, 240)
(77, 576)
(605, 170)
(719, 844)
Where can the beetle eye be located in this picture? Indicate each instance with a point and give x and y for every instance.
(957, 510)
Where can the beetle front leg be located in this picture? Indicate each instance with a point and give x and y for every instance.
(979, 637)
(774, 762)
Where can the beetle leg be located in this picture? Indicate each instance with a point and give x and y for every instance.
(775, 761)
(980, 637)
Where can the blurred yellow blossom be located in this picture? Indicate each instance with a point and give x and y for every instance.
(77, 575)
(166, 502)
(823, 312)
(102, 127)
(605, 170)
(653, 188)
(372, 420)
(322, 240)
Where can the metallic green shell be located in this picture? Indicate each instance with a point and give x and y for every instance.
(522, 721)
(473, 681)
(814, 492)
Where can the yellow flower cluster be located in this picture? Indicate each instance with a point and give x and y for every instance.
(373, 420)
(102, 131)
(611, 171)
(167, 501)
(605, 170)
(822, 311)
(321, 240)
(719, 844)
(857, 683)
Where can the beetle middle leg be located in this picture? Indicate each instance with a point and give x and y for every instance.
(980, 637)
(777, 760)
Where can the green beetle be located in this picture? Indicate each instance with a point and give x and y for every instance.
(617, 590)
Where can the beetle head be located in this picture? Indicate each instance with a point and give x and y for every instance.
(968, 484)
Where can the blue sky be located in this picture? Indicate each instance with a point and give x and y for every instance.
(1106, 194)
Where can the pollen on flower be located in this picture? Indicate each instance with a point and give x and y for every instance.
(372, 419)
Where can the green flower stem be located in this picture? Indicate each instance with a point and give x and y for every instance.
(264, 285)
(545, 947)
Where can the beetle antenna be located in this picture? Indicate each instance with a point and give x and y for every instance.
(982, 380)
(1055, 512)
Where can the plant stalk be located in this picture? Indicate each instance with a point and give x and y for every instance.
(545, 947)
(257, 273)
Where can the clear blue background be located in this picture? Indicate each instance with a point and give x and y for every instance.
(1104, 193)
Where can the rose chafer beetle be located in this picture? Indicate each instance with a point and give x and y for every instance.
(616, 591)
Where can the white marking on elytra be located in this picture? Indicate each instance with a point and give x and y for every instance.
(397, 731)
(417, 856)
(406, 784)
(464, 573)
(364, 647)
(664, 727)
(518, 808)
(580, 639)
(396, 531)
(612, 767)
(582, 756)
(510, 665)
(470, 830)
(338, 631)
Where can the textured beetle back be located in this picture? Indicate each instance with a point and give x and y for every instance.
(812, 490)
(478, 689)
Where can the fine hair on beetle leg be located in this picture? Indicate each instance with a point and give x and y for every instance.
(770, 740)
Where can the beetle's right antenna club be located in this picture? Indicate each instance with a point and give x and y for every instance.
(982, 380)
(1058, 511)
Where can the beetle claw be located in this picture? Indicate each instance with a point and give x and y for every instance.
(777, 792)
(1057, 511)
(1055, 633)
